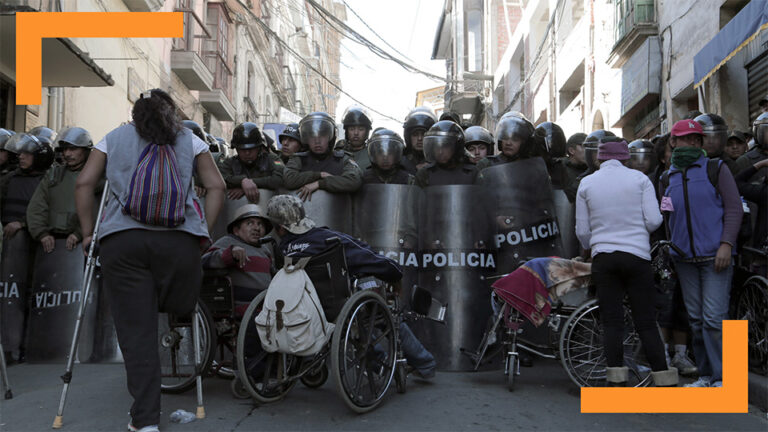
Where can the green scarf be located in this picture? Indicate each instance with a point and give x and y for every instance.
(683, 157)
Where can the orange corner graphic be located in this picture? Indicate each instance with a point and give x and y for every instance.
(31, 27)
(732, 397)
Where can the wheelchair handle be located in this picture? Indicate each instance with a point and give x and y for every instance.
(267, 239)
(331, 240)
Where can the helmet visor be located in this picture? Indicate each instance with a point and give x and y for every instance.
(439, 149)
(714, 142)
(385, 152)
(590, 156)
(23, 143)
(317, 133)
(761, 135)
(513, 128)
(644, 162)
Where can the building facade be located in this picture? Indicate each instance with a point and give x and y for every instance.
(265, 61)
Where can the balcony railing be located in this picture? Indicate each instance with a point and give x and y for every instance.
(194, 33)
(222, 74)
(632, 13)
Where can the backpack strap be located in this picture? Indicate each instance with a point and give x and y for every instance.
(292, 264)
(713, 173)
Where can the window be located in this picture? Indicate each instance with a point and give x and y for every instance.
(473, 46)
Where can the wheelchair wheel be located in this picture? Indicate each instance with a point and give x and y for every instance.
(512, 362)
(752, 305)
(316, 377)
(364, 351)
(238, 389)
(581, 349)
(177, 349)
(262, 374)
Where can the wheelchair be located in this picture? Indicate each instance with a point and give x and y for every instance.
(364, 355)
(749, 301)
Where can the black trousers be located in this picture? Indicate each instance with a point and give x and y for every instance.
(615, 274)
(146, 272)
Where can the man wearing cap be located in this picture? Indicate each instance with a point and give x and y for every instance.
(240, 252)
(703, 221)
(301, 238)
(734, 148)
(290, 141)
(616, 210)
(51, 211)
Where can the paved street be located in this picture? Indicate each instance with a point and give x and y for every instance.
(544, 400)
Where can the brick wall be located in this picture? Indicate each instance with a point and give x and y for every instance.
(515, 14)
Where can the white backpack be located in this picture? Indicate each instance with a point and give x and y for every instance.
(292, 320)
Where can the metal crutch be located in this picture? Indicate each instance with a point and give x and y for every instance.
(198, 364)
(90, 264)
(4, 372)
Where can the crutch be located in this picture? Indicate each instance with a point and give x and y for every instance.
(4, 373)
(90, 264)
(198, 364)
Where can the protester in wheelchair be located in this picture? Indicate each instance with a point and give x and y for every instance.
(248, 261)
(301, 238)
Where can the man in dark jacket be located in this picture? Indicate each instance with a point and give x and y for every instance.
(301, 238)
(253, 167)
(386, 151)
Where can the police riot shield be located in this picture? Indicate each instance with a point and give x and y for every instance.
(566, 223)
(522, 212)
(386, 217)
(14, 283)
(455, 245)
(54, 302)
(230, 207)
(332, 210)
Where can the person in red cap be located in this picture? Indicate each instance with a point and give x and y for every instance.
(703, 221)
(616, 210)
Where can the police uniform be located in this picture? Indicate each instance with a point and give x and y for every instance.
(305, 167)
(436, 175)
(748, 159)
(16, 189)
(51, 210)
(360, 156)
(267, 174)
(373, 175)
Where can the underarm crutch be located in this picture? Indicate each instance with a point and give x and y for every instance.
(90, 265)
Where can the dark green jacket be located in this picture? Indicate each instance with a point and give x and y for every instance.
(52, 207)
(267, 175)
(304, 168)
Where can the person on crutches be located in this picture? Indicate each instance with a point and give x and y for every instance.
(151, 234)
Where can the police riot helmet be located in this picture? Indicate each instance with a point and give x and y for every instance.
(715, 134)
(450, 116)
(356, 116)
(554, 138)
(642, 156)
(44, 134)
(478, 135)
(591, 142)
(247, 135)
(419, 118)
(195, 128)
(513, 127)
(74, 137)
(760, 131)
(444, 142)
(318, 124)
(5, 135)
(385, 149)
(39, 147)
(517, 114)
(291, 131)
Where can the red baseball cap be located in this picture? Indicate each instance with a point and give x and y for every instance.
(686, 127)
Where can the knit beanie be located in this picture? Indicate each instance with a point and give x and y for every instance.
(613, 150)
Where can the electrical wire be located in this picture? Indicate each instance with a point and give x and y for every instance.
(374, 31)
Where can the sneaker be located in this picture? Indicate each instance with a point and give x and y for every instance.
(701, 382)
(150, 428)
(684, 364)
(423, 374)
(717, 384)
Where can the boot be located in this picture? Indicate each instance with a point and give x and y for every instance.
(617, 376)
(665, 378)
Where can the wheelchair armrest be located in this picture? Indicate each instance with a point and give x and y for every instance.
(267, 239)
(331, 240)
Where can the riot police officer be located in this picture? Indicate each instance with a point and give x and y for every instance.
(357, 128)
(253, 167)
(290, 141)
(51, 211)
(321, 167)
(551, 147)
(444, 152)
(8, 160)
(759, 152)
(48, 135)
(590, 149)
(575, 164)
(385, 150)
(642, 157)
(715, 134)
(478, 142)
(417, 122)
(195, 128)
(514, 139)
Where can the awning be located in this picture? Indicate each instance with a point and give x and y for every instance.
(64, 64)
(744, 27)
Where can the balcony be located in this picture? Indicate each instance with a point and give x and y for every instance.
(464, 97)
(143, 5)
(218, 100)
(635, 22)
(186, 55)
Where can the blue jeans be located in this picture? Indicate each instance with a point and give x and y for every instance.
(415, 354)
(706, 294)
